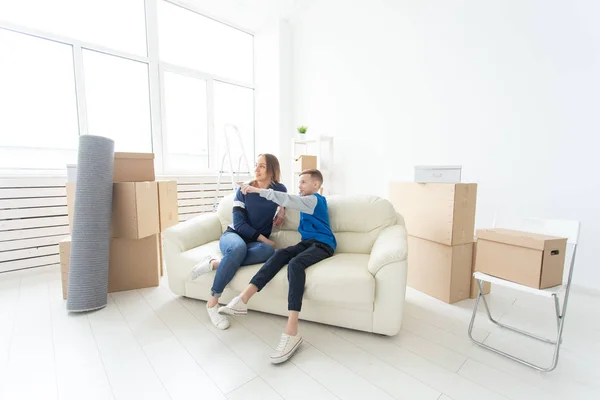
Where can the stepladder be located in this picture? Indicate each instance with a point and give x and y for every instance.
(234, 163)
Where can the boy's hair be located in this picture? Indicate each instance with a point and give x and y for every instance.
(314, 174)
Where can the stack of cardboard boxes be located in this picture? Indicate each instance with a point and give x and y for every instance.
(142, 208)
(440, 220)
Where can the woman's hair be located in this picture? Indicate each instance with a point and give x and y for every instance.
(273, 168)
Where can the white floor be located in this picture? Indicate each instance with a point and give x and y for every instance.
(150, 344)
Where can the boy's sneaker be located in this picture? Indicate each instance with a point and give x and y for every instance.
(203, 267)
(286, 348)
(235, 307)
(218, 320)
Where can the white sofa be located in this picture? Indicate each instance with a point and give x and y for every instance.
(361, 287)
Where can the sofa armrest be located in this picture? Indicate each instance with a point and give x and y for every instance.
(194, 232)
(389, 247)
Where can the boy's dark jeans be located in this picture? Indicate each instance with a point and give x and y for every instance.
(298, 258)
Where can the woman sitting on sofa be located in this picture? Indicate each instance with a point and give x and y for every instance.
(246, 241)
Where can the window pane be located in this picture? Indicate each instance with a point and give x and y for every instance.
(113, 23)
(118, 100)
(234, 105)
(38, 107)
(203, 44)
(186, 130)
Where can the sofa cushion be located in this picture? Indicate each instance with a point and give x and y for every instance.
(360, 213)
(341, 279)
(355, 221)
(330, 281)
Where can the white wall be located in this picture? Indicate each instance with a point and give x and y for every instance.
(508, 89)
(272, 76)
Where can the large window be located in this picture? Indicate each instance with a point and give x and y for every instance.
(115, 24)
(234, 105)
(149, 74)
(185, 126)
(118, 100)
(38, 106)
(217, 48)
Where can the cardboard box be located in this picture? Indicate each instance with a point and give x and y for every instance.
(440, 212)
(441, 271)
(529, 259)
(305, 162)
(134, 167)
(487, 287)
(167, 204)
(70, 203)
(133, 264)
(134, 210)
(64, 250)
(161, 257)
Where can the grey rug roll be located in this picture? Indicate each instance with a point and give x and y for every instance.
(90, 237)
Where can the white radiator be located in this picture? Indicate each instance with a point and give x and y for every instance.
(33, 214)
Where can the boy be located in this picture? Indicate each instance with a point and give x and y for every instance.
(318, 243)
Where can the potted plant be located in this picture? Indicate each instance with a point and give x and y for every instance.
(301, 131)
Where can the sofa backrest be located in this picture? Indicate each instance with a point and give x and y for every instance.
(355, 221)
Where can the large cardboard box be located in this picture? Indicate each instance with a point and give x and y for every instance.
(134, 263)
(487, 287)
(441, 271)
(530, 259)
(305, 162)
(133, 167)
(440, 212)
(167, 204)
(134, 210)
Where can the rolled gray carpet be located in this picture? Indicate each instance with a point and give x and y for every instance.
(90, 237)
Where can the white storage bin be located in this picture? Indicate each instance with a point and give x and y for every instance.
(438, 173)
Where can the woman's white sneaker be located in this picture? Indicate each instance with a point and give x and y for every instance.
(286, 348)
(218, 320)
(203, 267)
(235, 307)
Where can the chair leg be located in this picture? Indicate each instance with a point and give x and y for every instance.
(556, 344)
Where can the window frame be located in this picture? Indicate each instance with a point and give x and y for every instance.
(156, 69)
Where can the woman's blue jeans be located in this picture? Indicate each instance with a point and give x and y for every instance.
(236, 252)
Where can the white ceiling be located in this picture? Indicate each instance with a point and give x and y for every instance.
(247, 14)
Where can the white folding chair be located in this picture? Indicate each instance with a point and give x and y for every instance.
(568, 229)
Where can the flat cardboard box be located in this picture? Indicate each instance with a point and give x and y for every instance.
(487, 287)
(133, 264)
(529, 259)
(441, 271)
(440, 212)
(167, 204)
(135, 210)
(134, 167)
(168, 210)
(305, 162)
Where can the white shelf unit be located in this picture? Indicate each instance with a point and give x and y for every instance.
(322, 148)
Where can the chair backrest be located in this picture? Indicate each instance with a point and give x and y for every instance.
(552, 227)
